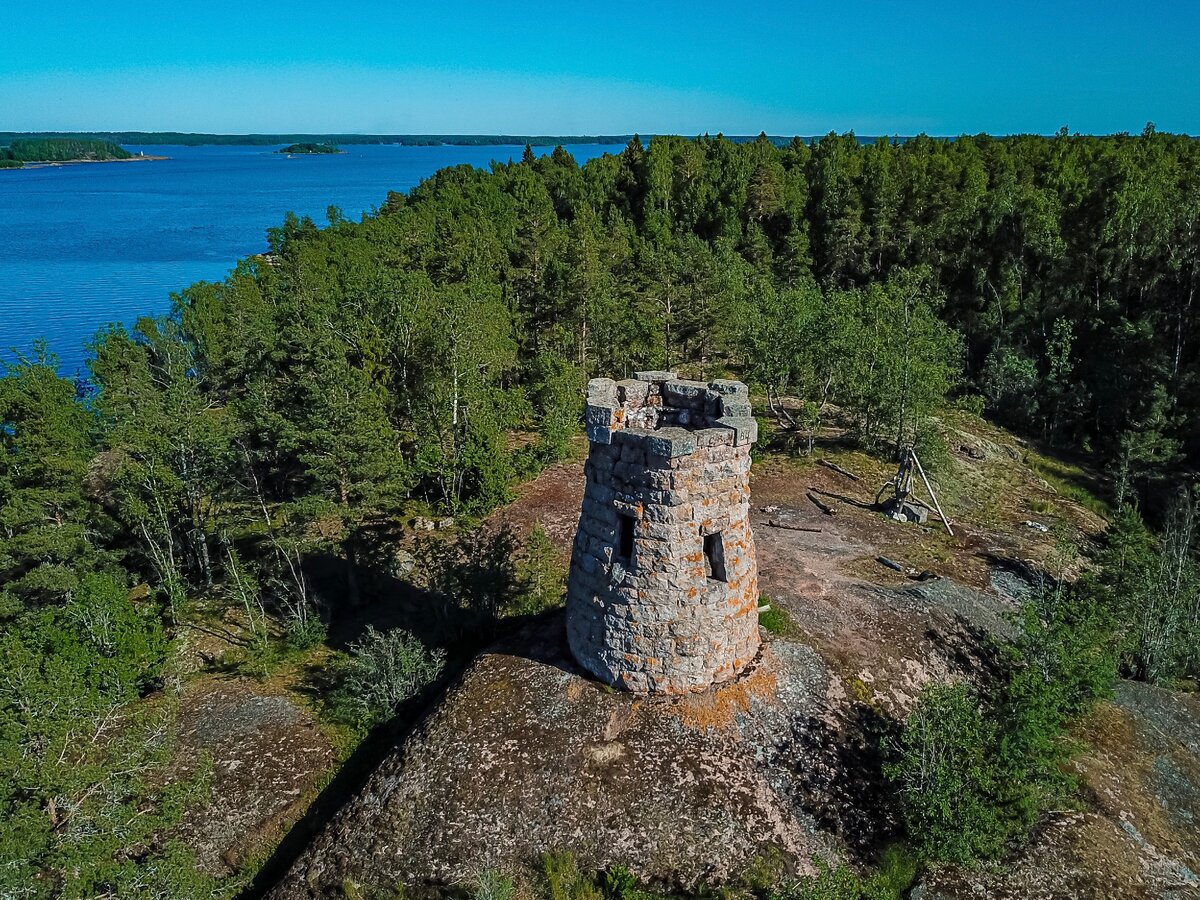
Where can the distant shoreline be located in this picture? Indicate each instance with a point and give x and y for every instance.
(194, 139)
(79, 162)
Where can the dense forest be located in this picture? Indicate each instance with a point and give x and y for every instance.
(260, 444)
(62, 150)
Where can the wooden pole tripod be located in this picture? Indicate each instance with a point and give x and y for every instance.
(903, 485)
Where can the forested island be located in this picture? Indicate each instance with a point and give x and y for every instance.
(308, 148)
(248, 466)
(46, 150)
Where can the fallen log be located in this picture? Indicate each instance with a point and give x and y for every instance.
(891, 563)
(832, 465)
(775, 523)
(823, 507)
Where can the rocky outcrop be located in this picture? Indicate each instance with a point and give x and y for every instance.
(266, 758)
(527, 755)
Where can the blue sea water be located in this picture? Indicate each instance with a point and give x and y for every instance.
(85, 245)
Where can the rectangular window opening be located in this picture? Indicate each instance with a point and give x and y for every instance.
(625, 537)
(714, 557)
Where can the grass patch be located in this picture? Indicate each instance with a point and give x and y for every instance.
(1042, 507)
(898, 869)
(776, 620)
(1069, 481)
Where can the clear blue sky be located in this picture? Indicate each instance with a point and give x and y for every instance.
(614, 67)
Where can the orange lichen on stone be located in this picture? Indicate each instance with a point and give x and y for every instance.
(720, 707)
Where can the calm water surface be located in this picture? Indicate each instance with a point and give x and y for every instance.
(85, 245)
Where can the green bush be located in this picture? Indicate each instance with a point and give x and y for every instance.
(383, 670)
(305, 630)
(897, 871)
(85, 798)
(971, 403)
(1064, 660)
(947, 777)
(973, 773)
(619, 884)
(563, 879)
(493, 885)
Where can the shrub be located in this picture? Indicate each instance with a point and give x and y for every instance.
(564, 880)
(385, 668)
(898, 869)
(971, 403)
(947, 777)
(87, 805)
(305, 631)
(1065, 658)
(619, 884)
(974, 773)
(122, 646)
(765, 872)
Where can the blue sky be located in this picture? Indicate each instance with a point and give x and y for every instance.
(613, 67)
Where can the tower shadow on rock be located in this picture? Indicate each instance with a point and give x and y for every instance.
(387, 601)
(348, 782)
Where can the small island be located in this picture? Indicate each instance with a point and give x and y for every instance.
(61, 151)
(310, 149)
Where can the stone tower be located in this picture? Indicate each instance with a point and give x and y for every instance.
(663, 590)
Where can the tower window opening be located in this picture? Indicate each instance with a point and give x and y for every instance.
(714, 557)
(625, 536)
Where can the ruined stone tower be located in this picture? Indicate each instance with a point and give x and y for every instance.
(663, 591)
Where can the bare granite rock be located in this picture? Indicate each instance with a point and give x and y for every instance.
(267, 757)
(527, 754)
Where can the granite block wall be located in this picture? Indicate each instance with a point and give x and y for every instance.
(663, 589)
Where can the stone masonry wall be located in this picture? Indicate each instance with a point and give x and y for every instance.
(663, 589)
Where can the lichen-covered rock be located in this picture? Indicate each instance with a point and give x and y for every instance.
(663, 591)
(527, 755)
(267, 759)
